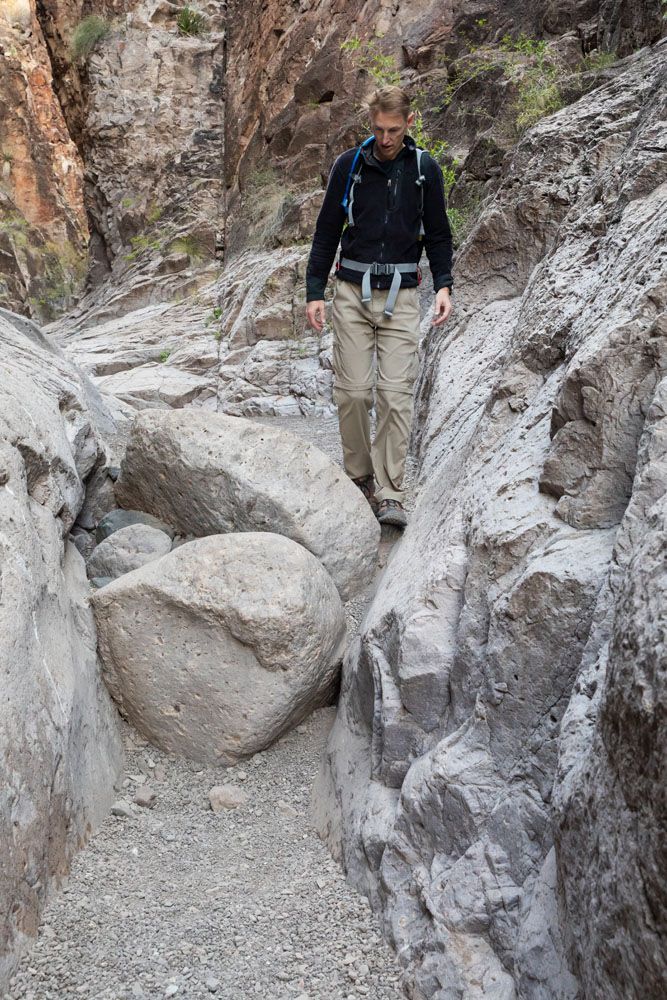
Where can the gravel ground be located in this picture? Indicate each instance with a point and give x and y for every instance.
(174, 899)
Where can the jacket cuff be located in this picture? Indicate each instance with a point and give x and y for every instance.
(315, 289)
(443, 282)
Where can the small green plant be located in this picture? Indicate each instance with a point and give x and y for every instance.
(164, 354)
(380, 67)
(16, 228)
(154, 213)
(596, 61)
(140, 243)
(127, 202)
(437, 147)
(87, 34)
(481, 22)
(214, 315)
(189, 245)
(190, 21)
(524, 45)
(537, 97)
(462, 219)
(217, 335)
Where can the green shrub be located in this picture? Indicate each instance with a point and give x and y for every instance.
(191, 22)
(381, 68)
(537, 98)
(87, 34)
(164, 355)
(596, 60)
(190, 245)
(524, 45)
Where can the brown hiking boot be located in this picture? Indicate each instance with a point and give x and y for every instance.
(392, 512)
(367, 486)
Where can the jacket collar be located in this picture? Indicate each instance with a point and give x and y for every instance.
(409, 145)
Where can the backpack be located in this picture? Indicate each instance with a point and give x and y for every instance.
(355, 175)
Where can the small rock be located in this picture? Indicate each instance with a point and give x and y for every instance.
(122, 808)
(286, 809)
(212, 985)
(160, 772)
(145, 797)
(171, 990)
(226, 797)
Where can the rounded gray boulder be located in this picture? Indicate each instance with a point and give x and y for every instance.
(128, 549)
(223, 645)
(209, 473)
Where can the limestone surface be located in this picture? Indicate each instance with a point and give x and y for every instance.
(223, 645)
(210, 473)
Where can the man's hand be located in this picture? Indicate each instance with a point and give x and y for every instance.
(315, 315)
(443, 307)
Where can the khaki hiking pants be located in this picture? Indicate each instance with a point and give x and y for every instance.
(360, 331)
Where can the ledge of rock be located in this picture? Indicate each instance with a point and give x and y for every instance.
(220, 647)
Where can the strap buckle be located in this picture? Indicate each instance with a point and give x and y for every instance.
(377, 269)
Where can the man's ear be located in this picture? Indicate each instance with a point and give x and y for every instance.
(410, 119)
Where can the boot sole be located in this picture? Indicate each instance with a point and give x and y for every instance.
(396, 520)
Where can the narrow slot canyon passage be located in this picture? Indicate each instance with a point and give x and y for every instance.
(178, 900)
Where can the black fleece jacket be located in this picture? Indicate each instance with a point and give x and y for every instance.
(386, 220)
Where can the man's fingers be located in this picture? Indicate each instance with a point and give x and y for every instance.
(443, 308)
(315, 316)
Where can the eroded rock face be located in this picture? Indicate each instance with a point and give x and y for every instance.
(237, 345)
(438, 792)
(610, 786)
(59, 745)
(219, 648)
(208, 473)
(43, 228)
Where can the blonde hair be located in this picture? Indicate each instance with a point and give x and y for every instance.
(390, 100)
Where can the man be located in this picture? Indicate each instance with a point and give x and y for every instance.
(387, 204)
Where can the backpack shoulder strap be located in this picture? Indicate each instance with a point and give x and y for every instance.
(352, 178)
(421, 182)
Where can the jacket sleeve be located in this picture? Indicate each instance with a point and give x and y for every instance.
(328, 229)
(437, 231)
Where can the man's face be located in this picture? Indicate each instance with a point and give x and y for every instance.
(389, 131)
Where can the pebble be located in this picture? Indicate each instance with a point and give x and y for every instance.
(145, 797)
(122, 808)
(226, 797)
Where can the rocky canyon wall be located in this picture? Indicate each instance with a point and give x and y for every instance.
(494, 779)
(59, 742)
(43, 231)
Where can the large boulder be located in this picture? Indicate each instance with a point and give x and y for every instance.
(221, 646)
(128, 549)
(208, 473)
